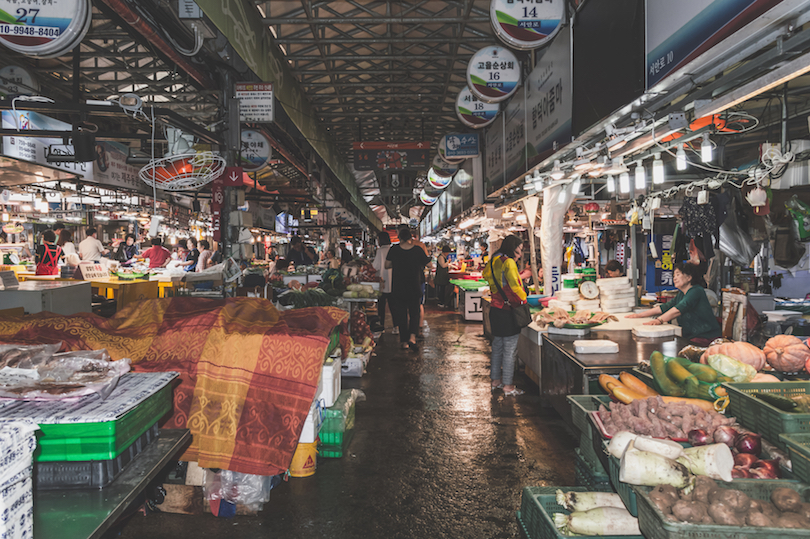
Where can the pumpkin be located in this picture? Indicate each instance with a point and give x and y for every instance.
(787, 353)
(741, 351)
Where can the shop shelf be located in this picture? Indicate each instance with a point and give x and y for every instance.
(759, 416)
(92, 473)
(537, 509)
(101, 441)
(654, 525)
(592, 478)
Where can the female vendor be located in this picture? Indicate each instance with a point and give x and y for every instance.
(690, 306)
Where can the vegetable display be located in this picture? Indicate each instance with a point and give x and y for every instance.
(679, 377)
(310, 297)
(360, 328)
(741, 351)
(361, 291)
(657, 418)
(584, 501)
(713, 503)
(598, 521)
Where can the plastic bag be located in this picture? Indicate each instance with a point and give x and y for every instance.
(23, 356)
(252, 491)
(737, 370)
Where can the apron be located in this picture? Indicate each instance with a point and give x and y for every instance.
(50, 260)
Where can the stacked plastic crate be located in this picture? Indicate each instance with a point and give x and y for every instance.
(88, 442)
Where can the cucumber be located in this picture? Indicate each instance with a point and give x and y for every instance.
(783, 403)
(663, 384)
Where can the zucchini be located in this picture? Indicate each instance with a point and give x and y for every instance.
(777, 401)
(704, 373)
(664, 385)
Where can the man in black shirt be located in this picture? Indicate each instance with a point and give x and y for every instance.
(297, 255)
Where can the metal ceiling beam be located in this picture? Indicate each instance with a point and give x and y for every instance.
(376, 84)
(368, 57)
(360, 71)
(375, 40)
(371, 20)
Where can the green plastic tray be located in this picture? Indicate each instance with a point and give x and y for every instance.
(78, 442)
(593, 478)
(537, 513)
(759, 416)
(654, 525)
(798, 446)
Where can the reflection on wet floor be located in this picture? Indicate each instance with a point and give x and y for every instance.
(434, 454)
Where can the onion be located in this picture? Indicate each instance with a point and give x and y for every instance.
(725, 435)
(748, 443)
(762, 473)
(698, 437)
(738, 472)
(744, 460)
(769, 467)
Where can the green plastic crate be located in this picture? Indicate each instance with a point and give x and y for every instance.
(337, 428)
(78, 442)
(524, 533)
(598, 444)
(759, 416)
(580, 406)
(588, 453)
(592, 478)
(654, 525)
(798, 446)
(626, 492)
(537, 513)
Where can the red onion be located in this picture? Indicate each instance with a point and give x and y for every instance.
(698, 437)
(768, 467)
(744, 460)
(738, 472)
(762, 473)
(725, 435)
(749, 443)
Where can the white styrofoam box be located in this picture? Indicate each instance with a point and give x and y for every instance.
(606, 305)
(312, 425)
(621, 310)
(329, 383)
(567, 294)
(666, 330)
(352, 367)
(613, 282)
(587, 304)
(596, 347)
(570, 332)
(557, 304)
(618, 294)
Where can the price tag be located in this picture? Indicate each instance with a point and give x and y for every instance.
(87, 271)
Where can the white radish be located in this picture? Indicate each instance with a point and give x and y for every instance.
(665, 448)
(584, 501)
(650, 469)
(619, 443)
(599, 521)
(715, 461)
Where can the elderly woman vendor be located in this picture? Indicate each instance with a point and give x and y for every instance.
(690, 306)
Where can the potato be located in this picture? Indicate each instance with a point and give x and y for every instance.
(804, 510)
(705, 488)
(694, 512)
(770, 511)
(792, 520)
(736, 500)
(723, 514)
(664, 496)
(786, 499)
(759, 520)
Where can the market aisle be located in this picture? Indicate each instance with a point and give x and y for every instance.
(434, 455)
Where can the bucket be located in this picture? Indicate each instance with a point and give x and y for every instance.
(305, 460)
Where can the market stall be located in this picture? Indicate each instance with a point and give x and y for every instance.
(469, 293)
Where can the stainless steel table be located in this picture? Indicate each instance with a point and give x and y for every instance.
(60, 297)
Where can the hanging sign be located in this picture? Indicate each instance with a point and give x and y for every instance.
(493, 74)
(255, 152)
(16, 80)
(473, 112)
(436, 181)
(44, 28)
(464, 145)
(527, 24)
(391, 155)
(463, 179)
(427, 200)
(255, 101)
(443, 168)
(441, 149)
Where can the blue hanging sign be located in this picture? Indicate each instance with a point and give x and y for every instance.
(464, 145)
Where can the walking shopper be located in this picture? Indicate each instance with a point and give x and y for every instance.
(384, 243)
(503, 270)
(442, 278)
(408, 261)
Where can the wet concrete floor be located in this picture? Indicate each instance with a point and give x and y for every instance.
(435, 454)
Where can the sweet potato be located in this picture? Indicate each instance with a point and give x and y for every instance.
(723, 514)
(664, 496)
(792, 520)
(759, 520)
(736, 500)
(804, 510)
(786, 499)
(705, 488)
(693, 512)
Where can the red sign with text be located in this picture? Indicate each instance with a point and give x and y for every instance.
(217, 201)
